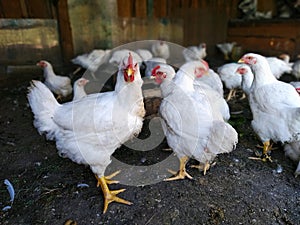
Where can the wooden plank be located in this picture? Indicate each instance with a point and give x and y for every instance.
(173, 7)
(65, 31)
(266, 46)
(39, 9)
(194, 4)
(141, 8)
(12, 9)
(268, 29)
(160, 8)
(125, 8)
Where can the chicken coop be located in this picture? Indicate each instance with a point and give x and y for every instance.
(58, 130)
(59, 30)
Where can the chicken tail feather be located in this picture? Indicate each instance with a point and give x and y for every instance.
(43, 105)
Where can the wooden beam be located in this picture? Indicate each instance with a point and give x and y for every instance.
(65, 31)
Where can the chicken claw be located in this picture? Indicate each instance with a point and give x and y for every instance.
(181, 174)
(202, 167)
(110, 195)
(264, 156)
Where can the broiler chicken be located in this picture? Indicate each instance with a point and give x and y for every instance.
(217, 103)
(160, 49)
(118, 55)
(60, 85)
(192, 53)
(275, 105)
(145, 54)
(232, 81)
(92, 60)
(292, 151)
(89, 130)
(226, 49)
(78, 88)
(247, 78)
(278, 66)
(191, 129)
(151, 64)
(213, 80)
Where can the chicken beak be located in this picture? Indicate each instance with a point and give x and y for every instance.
(129, 71)
(241, 60)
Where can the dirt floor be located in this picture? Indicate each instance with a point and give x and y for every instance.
(236, 190)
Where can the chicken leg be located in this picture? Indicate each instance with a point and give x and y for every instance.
(181, 174)
(264, 156)
(110, 195)
(203, 167)
(231, 94)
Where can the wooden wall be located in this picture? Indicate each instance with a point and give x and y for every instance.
(45, 9)
(202, 20)
(269, 37)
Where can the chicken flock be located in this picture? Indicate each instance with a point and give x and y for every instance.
(89, 128)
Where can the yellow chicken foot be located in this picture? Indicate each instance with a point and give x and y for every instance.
(230, 94)
(110, 195)
(202, 167)
(181, 174)
(264, 156)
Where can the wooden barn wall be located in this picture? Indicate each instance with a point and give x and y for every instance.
(269, 37)
(31, 30)
(186, 22)
(83, 25)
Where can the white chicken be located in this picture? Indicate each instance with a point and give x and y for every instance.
(118, 55)
(232, 81)
(145, 54)
(275, 105)
(190, 127)
(226, 49)
(78, 88)
(92, 60)
(160, 49)
(152, 63)
(60, 85)
(292, 151)
(100, 123)
(247, 78)
(217, 102)
(278, 66)
(192, 53)
(213, 80)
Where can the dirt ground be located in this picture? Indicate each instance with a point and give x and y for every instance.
(236, 190)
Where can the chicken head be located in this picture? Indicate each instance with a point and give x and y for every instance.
(248, 59)
(42, 64)
(129, 69)
(201, 70)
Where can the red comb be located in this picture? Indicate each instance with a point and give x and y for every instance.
(130, 59)
(153, 72)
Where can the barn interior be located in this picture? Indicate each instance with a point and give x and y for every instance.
(49, 189)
